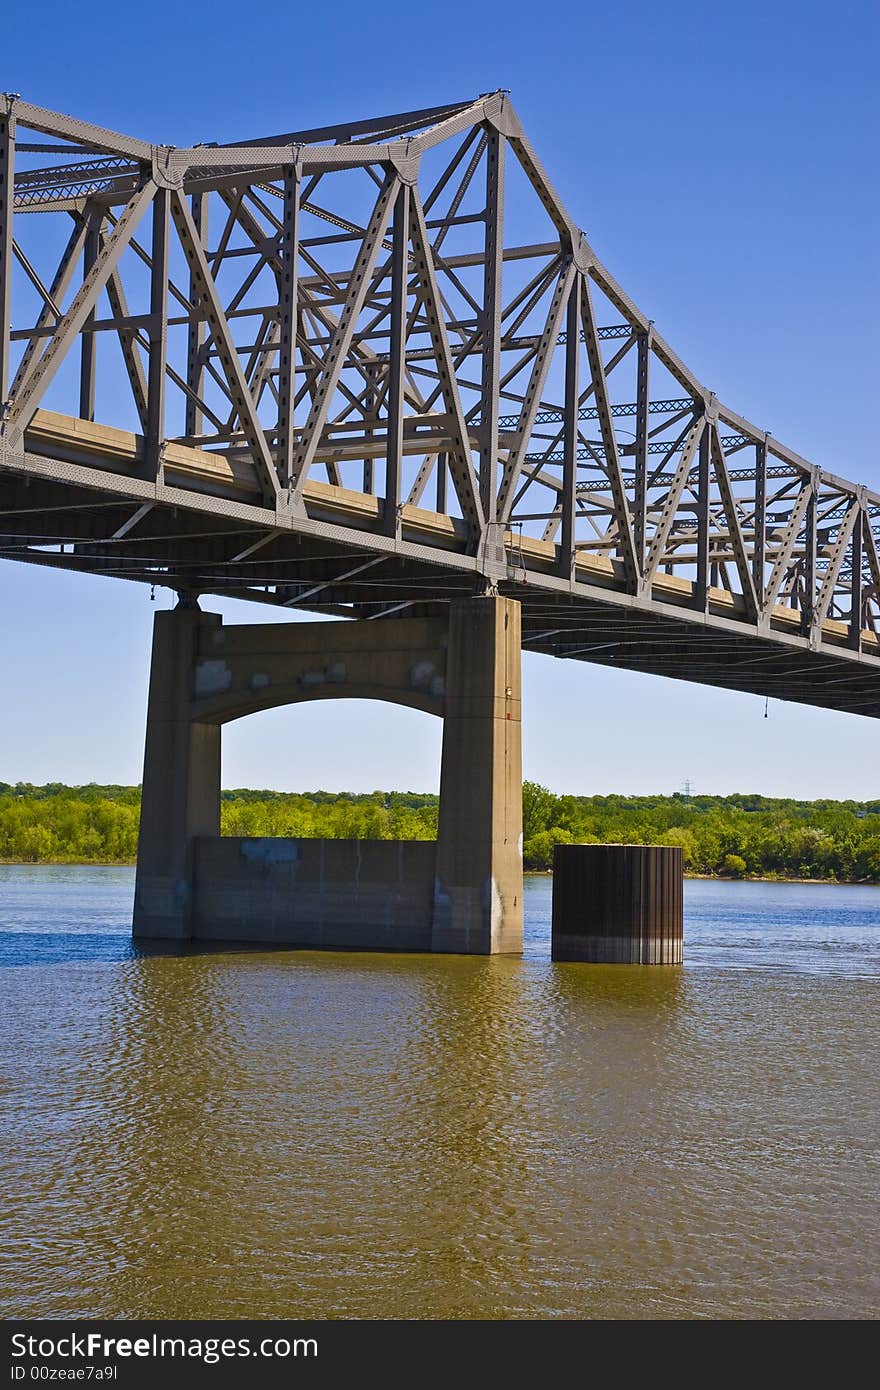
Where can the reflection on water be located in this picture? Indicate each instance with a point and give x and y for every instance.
(306, 1134)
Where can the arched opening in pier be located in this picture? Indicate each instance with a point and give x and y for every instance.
(385, 757)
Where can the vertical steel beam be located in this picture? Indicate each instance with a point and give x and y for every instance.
(759, 548)
(701, 587)
(7, 198)
(158, 336)
(809, 566)
(640, 497)
(369, 398)
(396, 362)
(442, 475)
(197, 332)
(566, 556)
(87, 342)
(494, 250)
(289, 294)
(856, 582)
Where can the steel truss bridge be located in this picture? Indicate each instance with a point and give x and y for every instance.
(368, 368)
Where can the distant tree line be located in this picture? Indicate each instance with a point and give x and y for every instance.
(99, 824)
(737, 836)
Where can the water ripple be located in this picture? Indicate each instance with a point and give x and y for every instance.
(313, 1135)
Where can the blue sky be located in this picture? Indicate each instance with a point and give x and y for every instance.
(722, 161)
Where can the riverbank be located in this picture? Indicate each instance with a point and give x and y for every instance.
(528, 873)
(739, 837)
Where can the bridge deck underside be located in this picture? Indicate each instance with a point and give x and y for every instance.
(205, 546)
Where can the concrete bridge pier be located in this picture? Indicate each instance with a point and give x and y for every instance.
(180, 798)
(463, 895)
(478, 892)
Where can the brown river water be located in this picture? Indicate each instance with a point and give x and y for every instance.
(298, 1134)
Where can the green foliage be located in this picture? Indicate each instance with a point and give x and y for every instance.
(83, 824)
(100, 824)
(538, 851)
(683, 839)
(738, 835)
(741, 836)
(538, 809)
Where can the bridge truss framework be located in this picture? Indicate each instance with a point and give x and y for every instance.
(371, 368)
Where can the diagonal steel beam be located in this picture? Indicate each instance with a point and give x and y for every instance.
(657, 547)
(458, 156)
(420, 482)
(743, 563)
(631, 566)
(856, 581)
(870, 548)
(81, 132)
(358, 286)
(458, 197)
(534, 390)
(784, 553)
(58, 289)
(260, 368)
(537, 177)
(871, 552)
(337, 579)
(35, 280)
(218, 326)
(193, 421)
(453, 125)
(23, 406)
(133, 520)
(835, 560)
(388, 125)
(553, 444)
(127, 340)
(461, 467)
